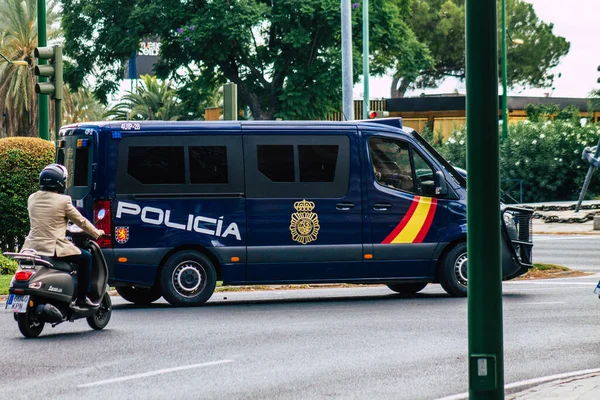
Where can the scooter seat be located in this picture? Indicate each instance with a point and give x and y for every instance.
(58, 264)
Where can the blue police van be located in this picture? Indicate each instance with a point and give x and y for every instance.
(187, 204)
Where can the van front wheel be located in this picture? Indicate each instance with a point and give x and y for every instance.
(453, 273)
(188, 278)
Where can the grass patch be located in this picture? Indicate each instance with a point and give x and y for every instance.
(4, 282)
(549, 267)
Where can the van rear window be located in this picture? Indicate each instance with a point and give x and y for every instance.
(157, 165)
(81, 173)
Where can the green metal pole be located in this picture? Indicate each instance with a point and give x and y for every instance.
(504, 73)
(366, 58)
(43, 124)
(486, 364)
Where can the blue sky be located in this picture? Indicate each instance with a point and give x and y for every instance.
(576, 20)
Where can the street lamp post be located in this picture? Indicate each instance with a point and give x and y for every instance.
(43, 124)
(504, 73)
(20, 63)
(366, 58)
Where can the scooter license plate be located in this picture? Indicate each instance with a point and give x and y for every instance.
(17, 303)
(597, 290)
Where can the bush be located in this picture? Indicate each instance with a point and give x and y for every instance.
(8, 266)
(544, 155)
(21, 160)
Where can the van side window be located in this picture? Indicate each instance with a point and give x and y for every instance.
(156, 165)
(208, 164)
(300, 164)
(276, 162)
(391, 163)
(317, 163)
(165, 164)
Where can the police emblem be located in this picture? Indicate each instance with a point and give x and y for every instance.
(122, 234)
(304, 225)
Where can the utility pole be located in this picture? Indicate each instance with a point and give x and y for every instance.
(347, 76)
(43, 124)
(230, 106)
(486, 359)
(365, 27)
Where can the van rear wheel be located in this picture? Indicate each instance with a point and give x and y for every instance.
(188, 278)
(407, 288)
(453, 273)
(139, 295)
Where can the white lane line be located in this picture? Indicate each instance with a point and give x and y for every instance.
(531, 382)
(542, 303)
(153, 373)
(560, 237)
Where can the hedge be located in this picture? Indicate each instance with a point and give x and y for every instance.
(544, 155)
(8, 266)
(21, 160)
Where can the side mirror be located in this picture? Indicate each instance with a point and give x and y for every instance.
(441, 186)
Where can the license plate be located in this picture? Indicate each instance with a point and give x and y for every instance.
(597, 290)
(17, 303)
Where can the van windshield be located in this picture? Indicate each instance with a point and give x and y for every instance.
(457, 177)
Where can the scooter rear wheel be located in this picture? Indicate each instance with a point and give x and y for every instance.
(29, 326)
(99, 320)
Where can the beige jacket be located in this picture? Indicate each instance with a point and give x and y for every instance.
(48, 216)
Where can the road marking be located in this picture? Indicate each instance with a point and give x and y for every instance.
(531, 382)
(542, 303)
(551, 239)
(153, 373)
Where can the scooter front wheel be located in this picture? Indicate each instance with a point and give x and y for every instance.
(28, 323)
(99, 320)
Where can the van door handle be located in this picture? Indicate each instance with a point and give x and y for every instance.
(382, 206)
(344, 206)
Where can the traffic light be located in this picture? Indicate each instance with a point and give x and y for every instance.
(598, 71)
(378, 114)
(53, 71)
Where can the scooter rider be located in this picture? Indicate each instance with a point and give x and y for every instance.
(49, 211)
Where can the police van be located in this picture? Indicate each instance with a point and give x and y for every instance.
(187, 204)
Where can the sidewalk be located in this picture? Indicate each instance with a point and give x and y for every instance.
(586, 387)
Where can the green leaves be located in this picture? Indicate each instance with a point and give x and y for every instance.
(21, 160)
(283, 55)
(440, 25)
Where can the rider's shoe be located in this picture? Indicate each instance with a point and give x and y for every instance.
(87, 303)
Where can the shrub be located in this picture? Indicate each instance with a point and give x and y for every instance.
(8, 266)
(21, 160)
(544, 155)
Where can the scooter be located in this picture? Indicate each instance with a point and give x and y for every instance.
(43, 289)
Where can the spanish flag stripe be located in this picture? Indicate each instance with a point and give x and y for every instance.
(413, 227)
(427, 224)
(403, 222)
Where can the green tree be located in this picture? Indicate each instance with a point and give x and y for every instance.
(82, 106)
(284, 55)
(440, 24)
(18, 101)
(151, 100)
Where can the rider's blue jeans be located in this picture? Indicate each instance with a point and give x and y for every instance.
(84, 274)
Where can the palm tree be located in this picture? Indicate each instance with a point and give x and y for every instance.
(82, 106)
(18, 101)
(152, 100)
